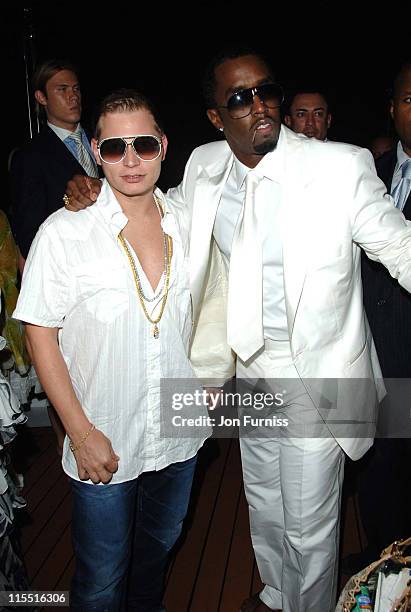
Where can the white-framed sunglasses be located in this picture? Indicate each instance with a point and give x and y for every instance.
(113, 150)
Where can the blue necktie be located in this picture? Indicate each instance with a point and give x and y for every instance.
(402, 190)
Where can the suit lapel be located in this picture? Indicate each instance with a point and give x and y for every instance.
(385, 167)
(295, 223)
(56, 148)
(207, 194)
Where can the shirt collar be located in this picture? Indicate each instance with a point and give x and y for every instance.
(169, 222)
(63, 133)
(240, 171)
(109, 207)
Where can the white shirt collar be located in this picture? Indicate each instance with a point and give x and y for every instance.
(63, 133)
(110, 209)
(240, 171)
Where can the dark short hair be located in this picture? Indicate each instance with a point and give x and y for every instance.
(308, 89)
(121, 101)
(228, 53)
(398, 81)
(47, 69)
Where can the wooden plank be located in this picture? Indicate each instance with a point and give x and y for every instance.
(48, 539)
(350, 537)
(358, 524)
(184, 572)
(37, 470)
(45, 484)
(56, 563)
(209, 585)
(29, 444)
(43, 513)
(238, 580)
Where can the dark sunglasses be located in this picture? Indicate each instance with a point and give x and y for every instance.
(239, 104)
(113, 150)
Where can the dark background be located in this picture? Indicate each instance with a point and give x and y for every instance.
(162, 48)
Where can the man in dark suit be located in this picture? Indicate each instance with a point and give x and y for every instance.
(41, 169)
(385, 481)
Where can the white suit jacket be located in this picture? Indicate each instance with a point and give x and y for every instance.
(333, 203)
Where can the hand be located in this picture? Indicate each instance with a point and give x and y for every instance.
(82, 191)
(96, 459)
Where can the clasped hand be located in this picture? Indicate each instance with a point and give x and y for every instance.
(96, 459)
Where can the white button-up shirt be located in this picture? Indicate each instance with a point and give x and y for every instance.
(78, 278)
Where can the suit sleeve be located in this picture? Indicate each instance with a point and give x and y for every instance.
(377, 226)
(29, 198)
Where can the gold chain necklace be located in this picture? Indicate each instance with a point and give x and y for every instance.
(167, 264)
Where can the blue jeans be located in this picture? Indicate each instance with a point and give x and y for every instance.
(122, 535)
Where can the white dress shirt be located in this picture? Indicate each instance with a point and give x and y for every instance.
(78, 278)
(268, 214)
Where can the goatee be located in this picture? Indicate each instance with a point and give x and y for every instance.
(265, 147)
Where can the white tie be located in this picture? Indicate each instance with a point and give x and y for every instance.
(83, 156)
(245, 292)
(402, 190)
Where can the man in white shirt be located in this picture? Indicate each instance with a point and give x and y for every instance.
(107, 307)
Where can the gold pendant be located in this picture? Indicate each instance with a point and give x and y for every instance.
(156, 331)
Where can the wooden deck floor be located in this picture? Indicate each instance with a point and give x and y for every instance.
(213, 569)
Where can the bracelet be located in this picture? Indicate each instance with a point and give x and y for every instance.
(75, 447)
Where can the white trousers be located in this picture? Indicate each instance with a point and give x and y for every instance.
(293, 488)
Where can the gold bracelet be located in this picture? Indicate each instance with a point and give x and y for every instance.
(75, 447)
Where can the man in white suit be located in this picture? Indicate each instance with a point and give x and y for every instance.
(285, 216)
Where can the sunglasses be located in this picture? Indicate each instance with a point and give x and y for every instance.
(113, 150)
(239, 104)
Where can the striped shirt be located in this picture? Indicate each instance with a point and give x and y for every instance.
(77, 278)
